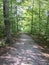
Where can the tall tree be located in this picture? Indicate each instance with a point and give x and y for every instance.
(32, 16)
(39, 18)
(47, 32)
(6, 20)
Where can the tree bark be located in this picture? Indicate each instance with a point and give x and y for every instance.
(39, 19)
(47, 29)
(32, 27)
(6, 20)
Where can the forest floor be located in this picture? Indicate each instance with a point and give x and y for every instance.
(43, 44)
(24, 52)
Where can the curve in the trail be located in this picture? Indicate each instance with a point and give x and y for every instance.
(24, 52)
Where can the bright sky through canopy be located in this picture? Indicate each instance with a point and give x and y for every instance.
(18, 0)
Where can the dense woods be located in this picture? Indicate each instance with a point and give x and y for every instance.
(28, 16)
(24, 32)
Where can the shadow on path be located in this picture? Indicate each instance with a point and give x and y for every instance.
(23, 52)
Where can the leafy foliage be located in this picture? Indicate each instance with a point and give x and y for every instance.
(24, 16)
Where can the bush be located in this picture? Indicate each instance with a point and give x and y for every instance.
(2, 31)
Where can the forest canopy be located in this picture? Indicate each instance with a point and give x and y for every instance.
(29, 16)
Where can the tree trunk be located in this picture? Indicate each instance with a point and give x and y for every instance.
(6, 20)
(47, 29)
(39, 19)
(32, 27)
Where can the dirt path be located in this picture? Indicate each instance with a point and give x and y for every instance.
(24, 52)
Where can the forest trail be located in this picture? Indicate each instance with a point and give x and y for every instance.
(24, 52)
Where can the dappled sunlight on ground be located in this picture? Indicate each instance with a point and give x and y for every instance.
(23, 53)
